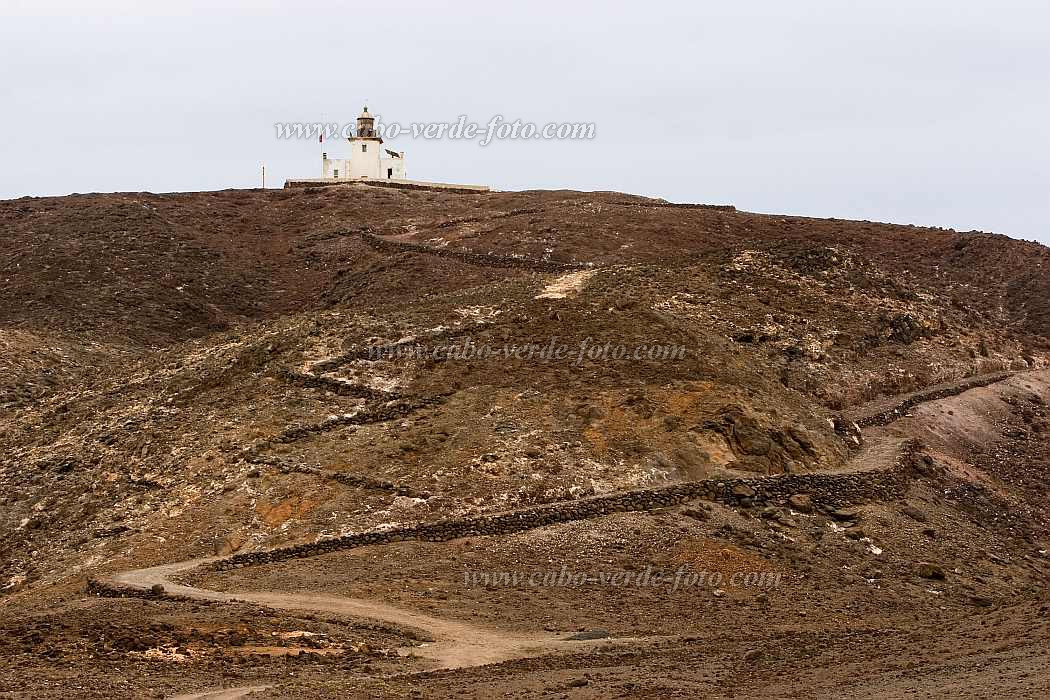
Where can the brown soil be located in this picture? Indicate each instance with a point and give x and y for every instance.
(187, 375)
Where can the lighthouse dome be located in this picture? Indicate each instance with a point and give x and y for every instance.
(365, 124)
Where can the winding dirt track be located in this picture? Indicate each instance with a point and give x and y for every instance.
(455, 644)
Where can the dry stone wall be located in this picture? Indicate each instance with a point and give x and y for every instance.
(336, 386)
(825, 491)
(482, 259)
(884, 414)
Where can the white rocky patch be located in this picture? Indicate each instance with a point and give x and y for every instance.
(566, 284)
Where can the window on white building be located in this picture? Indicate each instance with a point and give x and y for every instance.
(364, 148)
(335, 173)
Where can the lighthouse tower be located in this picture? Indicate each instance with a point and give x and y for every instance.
(365, 148)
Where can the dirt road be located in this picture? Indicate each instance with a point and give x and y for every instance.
(453, 643)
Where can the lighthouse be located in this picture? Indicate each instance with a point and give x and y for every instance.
(368, 163)
(368, 159)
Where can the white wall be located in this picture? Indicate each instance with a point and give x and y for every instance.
(397, 165)
(372, 163)
(365, 163)
(331, 166)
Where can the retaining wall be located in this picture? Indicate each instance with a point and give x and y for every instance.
(826, 491)
(482, 259)
(884, 414)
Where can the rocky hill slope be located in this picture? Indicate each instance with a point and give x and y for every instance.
(226, 372)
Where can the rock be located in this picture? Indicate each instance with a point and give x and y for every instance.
(803, 437)
(156, 589)
(930, 571)
(801, 502)
(754, 655)
(843, 515)
(914, 513)
(751, 438)
(589, 411)
(578, 683)
(855, 533)
(743, 491)
(596, 633)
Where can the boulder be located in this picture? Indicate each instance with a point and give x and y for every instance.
(914, 513)
(743, 491)
(751, 438)
(929, 570)
(596, 633)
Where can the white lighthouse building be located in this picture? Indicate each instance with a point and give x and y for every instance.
(371, 164)
(368, 159)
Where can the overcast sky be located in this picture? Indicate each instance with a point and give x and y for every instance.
(924, 111)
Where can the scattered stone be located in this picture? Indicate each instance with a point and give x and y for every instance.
(801, 502)
(931, 571)
(696, 513)
(914, 513)
(596, 633)
(855, 533)
(754, 655)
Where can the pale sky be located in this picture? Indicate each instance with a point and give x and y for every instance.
(929, 112)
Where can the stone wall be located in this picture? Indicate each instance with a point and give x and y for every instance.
(884, 413)
(336, 386)
(826, 491)
(483, 259)
(108, 589)
(679, 205)
(350, 480)
(397, 185)
(391, 410)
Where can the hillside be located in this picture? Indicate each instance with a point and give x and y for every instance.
(232, 373)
